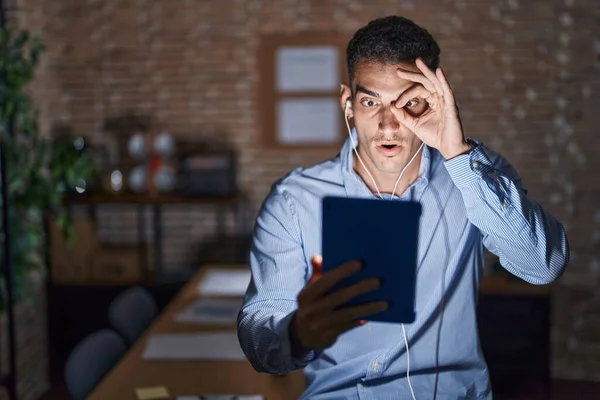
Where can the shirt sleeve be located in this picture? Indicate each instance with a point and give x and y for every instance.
(529, 242)
(279, 272)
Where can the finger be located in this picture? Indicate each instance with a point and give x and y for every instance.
(424, 68)
(345, 327)
(357, 312)
(446, 89)
(404, 117)
(417, 78)
(346, 294)
(321, 322)
(317, 263)
(330, 279)
(320, 310)
(398, 108)
(417, 91)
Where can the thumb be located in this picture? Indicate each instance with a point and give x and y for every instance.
(403, 117)
(317, 264)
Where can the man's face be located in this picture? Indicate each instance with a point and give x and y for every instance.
(383, 141)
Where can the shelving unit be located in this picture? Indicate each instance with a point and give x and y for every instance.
(237, 204)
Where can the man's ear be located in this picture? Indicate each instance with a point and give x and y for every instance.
(346, 96)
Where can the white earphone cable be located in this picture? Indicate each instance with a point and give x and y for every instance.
(356, 152)
(404, 169)
(354, 145)
(412, 392)
(381, 197)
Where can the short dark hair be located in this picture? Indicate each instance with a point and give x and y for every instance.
(391, 40)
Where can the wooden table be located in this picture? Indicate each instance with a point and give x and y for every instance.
(191, 377)
(234, 377)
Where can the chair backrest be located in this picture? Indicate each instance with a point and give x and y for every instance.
(131, 312)
(90, 361)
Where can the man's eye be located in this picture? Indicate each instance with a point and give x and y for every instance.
(368, 103)
(411, 103)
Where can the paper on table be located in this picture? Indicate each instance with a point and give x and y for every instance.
(220, 397)
(152, 393)
(194, 346)
(210, 311)
(223, 282)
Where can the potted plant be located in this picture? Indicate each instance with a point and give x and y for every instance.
(40, 171)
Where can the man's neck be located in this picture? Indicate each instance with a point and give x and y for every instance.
(386, 181)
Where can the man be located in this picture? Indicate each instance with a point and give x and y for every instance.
(472, 198)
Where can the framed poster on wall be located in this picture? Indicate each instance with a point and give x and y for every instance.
(298, 97)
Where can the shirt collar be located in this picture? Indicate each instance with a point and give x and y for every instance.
(353, 183)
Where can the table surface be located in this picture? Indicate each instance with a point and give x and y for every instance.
(191, 377)
(225, 377)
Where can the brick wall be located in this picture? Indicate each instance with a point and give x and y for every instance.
(526, 75)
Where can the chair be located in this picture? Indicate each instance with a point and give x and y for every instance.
(90, 361)
(131, 312)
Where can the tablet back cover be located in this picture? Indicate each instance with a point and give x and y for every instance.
(383, 234)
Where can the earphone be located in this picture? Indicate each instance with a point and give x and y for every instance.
(354, 145)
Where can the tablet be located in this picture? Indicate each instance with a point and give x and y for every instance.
(383, 234)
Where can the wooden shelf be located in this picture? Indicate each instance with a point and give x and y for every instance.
(135, 198)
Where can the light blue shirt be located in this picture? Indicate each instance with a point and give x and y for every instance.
(469, 202)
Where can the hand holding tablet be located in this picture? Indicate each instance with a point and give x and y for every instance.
(321, 317)
(367, 272)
